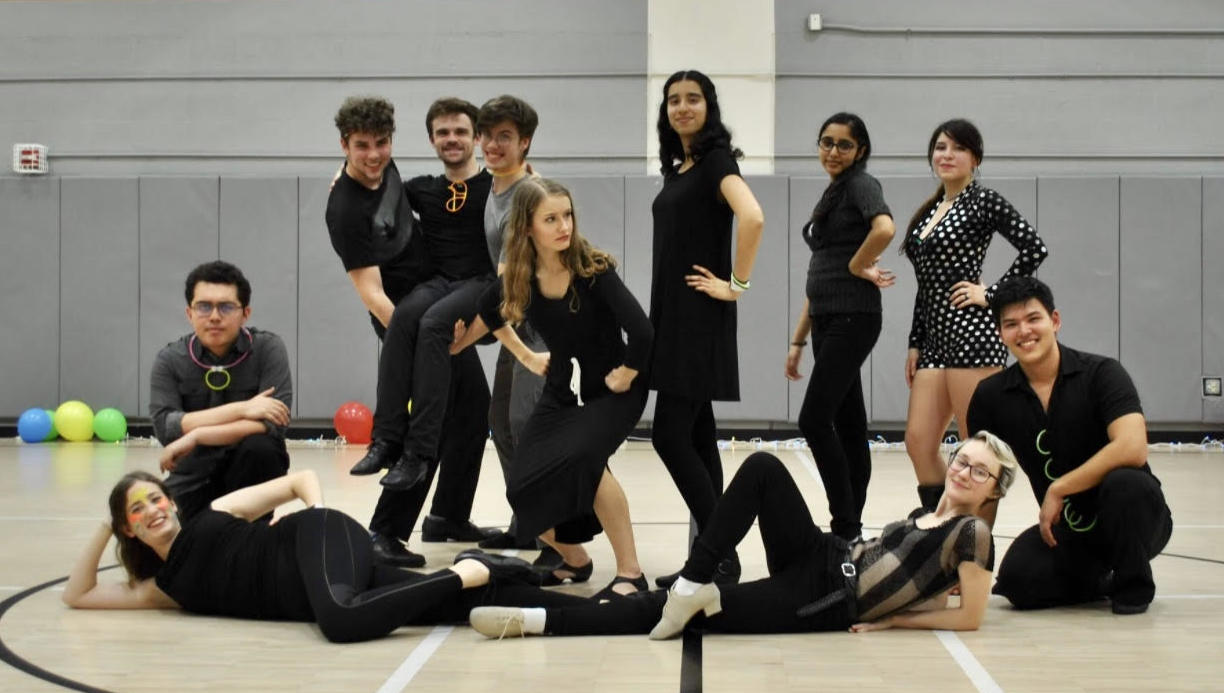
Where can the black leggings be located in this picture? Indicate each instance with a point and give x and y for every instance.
(799, 557)
(685, 438)
(834, 419)
(353, 598)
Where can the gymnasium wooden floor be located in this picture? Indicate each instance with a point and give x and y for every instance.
(52, 496)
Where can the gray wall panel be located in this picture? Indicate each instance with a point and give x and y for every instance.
(178, 230)
(1161, 294)
(640, 192)
(889, 394)
(1079, 223)
(30, 288)
(760, 316)
(259, 234)
(100, 318)
(599, 206)
(337, 349)
(1213, 292)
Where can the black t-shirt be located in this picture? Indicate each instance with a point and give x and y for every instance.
(223, 565)
(452, 223)
(1089, 393)
(695, 349)
(834, 240)
(362, 240)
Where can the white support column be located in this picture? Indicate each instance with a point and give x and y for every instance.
(731, 41)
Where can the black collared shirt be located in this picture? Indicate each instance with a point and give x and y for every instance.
(1090, 392)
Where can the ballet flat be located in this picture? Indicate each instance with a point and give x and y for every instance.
(680, 609)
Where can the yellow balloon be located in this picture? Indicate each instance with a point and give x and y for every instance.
(74, 421)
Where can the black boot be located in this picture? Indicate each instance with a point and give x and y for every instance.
(380, 455)
(929, 495)
(409, 471)
(392, 551)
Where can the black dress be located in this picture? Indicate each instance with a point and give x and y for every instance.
(953, 251)
(695, 349)
(564, 447)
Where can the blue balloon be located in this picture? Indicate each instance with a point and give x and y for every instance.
(34, 425)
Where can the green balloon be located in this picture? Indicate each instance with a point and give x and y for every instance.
(110, 425)
(52, 434)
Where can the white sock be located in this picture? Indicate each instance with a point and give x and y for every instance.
(685, 588)
(533, 621)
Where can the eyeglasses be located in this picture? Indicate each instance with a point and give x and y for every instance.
(458, 190)
(843, 146)
(977, 472)
(203, 309)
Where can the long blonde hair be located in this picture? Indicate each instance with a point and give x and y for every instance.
(581, 258)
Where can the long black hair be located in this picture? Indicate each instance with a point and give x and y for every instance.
(713, 135)
(836, 189)
(136, 557)
(966, 135)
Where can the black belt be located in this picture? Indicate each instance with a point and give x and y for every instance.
(847, 595)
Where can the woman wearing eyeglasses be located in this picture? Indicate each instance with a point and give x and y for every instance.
(849, 228)
(694, 287)
(953, 341)
(817, 582)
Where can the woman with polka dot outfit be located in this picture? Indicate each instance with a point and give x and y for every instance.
(953, 343)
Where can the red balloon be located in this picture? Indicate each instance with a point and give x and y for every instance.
(354, 421)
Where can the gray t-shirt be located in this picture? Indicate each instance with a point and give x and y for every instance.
(497, 211)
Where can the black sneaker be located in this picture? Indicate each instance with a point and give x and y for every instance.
(392, 551)
(437, 528)
(409, 471)
(380, 455)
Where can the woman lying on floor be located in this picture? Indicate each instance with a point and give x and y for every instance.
(313, 565)
(816, 581)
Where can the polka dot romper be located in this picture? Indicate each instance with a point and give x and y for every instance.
(952, 252)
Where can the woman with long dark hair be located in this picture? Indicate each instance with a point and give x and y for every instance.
(850, 227)
(953, 342)
(312, 565)
(817, 582)
(694, 287)
(559, 485)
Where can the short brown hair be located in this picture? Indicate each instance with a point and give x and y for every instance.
(369, 114)
(449, 105)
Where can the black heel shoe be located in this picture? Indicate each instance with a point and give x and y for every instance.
(501, 568)
(576, 574)
(608, 594)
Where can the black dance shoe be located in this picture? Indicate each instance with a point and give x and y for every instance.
(502, 568)
(380, 455)
(568, 572)
(665, 581)
(409, 471)
(392, 551)
(438, 528)
(548, 560)
(506, 540)
(608, 593)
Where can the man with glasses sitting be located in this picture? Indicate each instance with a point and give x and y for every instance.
(1074, 422)
(220, 396)
(401, 269)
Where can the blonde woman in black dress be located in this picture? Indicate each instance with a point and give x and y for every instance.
(953, 343)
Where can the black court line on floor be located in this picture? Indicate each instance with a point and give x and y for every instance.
(690, 661)
(12, 659)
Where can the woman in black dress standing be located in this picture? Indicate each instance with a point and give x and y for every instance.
(560, 486)
(849, 229)
(694, 287)
(953, 341)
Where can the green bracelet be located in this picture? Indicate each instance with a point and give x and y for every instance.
(738, 285)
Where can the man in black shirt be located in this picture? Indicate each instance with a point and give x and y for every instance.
(1076, 426)
(372, 229)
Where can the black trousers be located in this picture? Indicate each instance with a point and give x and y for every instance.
(395, 362)
(354, 599)
(1133, 526)
(833, 418)
(684, 435)
(431, 368)
(799, 557)
(252, 460)
(464, 432)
